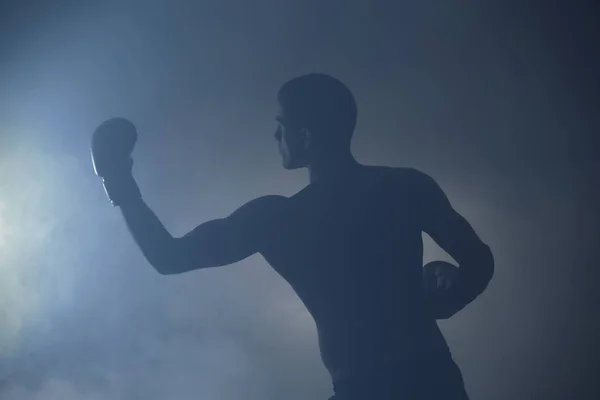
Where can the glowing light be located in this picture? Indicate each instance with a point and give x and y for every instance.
(25, 230)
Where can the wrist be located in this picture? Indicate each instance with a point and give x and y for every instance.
(122, 190)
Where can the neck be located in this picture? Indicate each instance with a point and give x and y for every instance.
(331, 166)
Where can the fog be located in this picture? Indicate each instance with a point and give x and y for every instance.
(497, 102)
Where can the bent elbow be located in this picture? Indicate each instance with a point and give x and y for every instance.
(485, 268)
(170, 268)
(165, 259)
(179, 256)
(162, 270)
(160, 266)
(168, 264)
(488, 264)
(479, 268)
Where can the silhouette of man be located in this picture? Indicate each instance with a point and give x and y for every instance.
(349, 244)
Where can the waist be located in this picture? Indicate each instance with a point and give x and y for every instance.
(355, 351)
(377, 363)
(404, 375)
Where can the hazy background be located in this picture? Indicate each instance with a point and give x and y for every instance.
(498, 100)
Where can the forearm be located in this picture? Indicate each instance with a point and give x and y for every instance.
(476, 271)
(153, 239)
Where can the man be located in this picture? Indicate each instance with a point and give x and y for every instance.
(349, 244)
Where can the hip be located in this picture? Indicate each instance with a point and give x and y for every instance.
(427, 376)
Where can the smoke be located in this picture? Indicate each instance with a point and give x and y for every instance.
(83, 316)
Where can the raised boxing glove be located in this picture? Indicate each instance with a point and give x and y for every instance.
(112, 144)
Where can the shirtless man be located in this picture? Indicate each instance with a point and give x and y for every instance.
(349, 244)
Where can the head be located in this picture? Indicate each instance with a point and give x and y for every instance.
(316, 119)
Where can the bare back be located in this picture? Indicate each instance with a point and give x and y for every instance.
(352, 251)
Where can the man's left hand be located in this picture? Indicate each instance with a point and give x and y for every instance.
(442, 283)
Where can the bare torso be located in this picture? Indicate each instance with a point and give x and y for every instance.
(352, 251)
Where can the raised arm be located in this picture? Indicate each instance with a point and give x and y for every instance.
(453, 233)
(218, 242)
(214, 243)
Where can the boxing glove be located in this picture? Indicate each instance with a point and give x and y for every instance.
(443, 288)
(112, 144)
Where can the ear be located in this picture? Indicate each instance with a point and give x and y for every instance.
(307, 137)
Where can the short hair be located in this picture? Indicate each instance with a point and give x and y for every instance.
(320, 103)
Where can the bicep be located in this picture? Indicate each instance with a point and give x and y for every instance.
(226, 240)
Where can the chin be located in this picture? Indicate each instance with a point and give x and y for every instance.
(292, 164)
(289, 167)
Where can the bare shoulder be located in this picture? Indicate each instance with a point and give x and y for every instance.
(262, 207)
(408, 185)
(413, 180)
(268, 200)
(402, 178)
(409, 175)
(254, 224)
